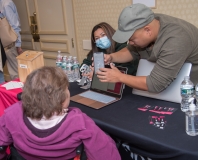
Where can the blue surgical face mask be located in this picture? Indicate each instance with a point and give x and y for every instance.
(103, 42)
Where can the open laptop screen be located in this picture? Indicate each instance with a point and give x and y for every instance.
(172, 92)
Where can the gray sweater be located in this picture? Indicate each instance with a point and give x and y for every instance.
(177, 43)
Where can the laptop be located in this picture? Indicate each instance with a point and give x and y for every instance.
(101, 94)
(172, 92)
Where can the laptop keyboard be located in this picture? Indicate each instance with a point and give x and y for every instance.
(97, 97)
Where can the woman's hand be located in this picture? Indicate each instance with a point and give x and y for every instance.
(89, 74)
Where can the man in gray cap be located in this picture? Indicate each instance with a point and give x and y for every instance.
(166, 40)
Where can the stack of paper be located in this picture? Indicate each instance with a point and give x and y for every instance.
(12, 85)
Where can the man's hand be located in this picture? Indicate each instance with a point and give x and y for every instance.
(114, 75)
(107, 58)
(109, 74)
(19, 50)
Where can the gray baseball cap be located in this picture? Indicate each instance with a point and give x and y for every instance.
(132, 18)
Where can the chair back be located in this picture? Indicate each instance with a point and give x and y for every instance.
(14, 154)
(81, 155)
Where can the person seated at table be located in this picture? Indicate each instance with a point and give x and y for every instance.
(41, 126)
(101, 41)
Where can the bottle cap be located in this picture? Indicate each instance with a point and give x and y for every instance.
(186, 77)
(192, 106)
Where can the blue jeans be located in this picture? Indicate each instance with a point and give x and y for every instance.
(1, 77)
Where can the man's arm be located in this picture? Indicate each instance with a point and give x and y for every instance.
(137, 82)
(121, 56)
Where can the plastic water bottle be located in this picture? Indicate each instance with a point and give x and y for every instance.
(70, 57)
(192, 119)
(69, 69)
(76, 67)
(64, 64)
(187, 91)
(59, 60)
(196, 95)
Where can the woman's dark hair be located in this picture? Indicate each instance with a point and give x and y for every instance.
(109, 31)
(44, 92)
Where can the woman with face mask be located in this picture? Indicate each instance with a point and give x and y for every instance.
(101, 41)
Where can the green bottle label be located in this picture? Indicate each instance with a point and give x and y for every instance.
(187, 91)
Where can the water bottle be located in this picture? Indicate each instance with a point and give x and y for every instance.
(196, 95)
(187, 91)
(192, 119)
(69, 69)
(70, 57)
(76, 67)
(59, 60)
(64, 64)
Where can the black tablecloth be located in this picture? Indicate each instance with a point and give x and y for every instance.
(124, 120)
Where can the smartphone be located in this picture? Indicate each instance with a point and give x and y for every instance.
(98, 61)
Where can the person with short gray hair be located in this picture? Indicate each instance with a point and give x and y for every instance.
(43, 126)
(159, 38)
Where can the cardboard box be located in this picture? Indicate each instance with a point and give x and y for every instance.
(29, 61)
